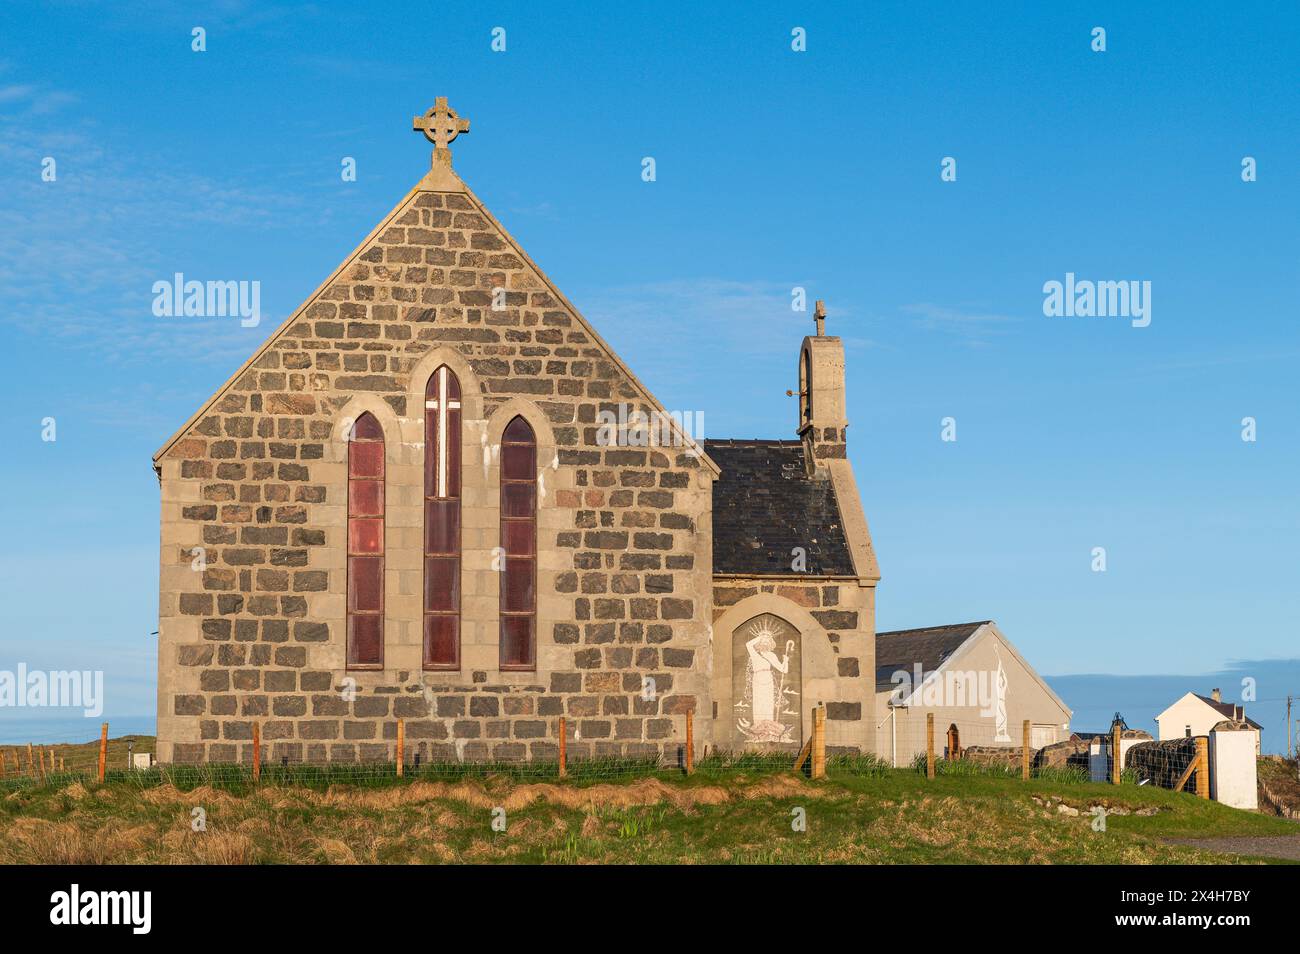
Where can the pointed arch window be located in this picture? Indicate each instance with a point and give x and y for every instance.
(519, 545)
(442, 411)
(365, 609)
(805, 388)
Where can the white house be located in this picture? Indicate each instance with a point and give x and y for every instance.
(973, 681)
(1196, 715)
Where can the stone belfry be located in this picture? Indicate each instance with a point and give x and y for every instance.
(822, 424)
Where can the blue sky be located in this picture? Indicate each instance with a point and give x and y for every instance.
(774, 169)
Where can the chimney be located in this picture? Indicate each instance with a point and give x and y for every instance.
(1216, 696)
(822, 424)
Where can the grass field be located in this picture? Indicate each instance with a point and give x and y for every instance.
(724, 813)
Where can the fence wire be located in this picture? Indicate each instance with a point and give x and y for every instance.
(945, 752)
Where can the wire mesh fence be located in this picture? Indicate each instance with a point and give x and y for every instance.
(323, 774)
(314, 766)
(939, 752)
(1122, 756)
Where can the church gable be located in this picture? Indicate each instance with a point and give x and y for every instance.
(438, 271)
(307, 545)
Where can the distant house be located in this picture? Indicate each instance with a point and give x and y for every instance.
(972, 679)
(1195, 714)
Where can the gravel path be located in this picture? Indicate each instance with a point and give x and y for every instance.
(1270, 846)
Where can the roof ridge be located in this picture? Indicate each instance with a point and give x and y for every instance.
(753, 440)
(926, 629)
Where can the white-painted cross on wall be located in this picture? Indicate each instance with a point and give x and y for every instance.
(440, 406)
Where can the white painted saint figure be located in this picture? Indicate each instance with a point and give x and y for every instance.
(1000, 695)
(766, 689)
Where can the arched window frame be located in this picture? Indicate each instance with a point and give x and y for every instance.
(441, 621)
(805, 388)
(518, 541)
(365, 544)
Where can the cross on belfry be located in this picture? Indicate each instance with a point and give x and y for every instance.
(440, 126)
(819, 316)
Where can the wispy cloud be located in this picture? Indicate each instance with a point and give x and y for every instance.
(79, 255)
(691, 340)
(694, 319)
(973, 326)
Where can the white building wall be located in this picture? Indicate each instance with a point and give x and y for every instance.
(1233, 768)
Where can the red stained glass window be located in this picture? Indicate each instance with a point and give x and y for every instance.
(366, 579)
(365, 498)
(366, 535)
(441, 585)
(365, 609)
(366, 459)
(442, 413)
(519, 541)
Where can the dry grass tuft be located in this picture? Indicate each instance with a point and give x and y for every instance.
(222, 848)
(76, 791)
(35, 841)
(336, 852)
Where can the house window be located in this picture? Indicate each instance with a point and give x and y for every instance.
(1187, 731)
(442, 407)
(365, 609)
(519, 546)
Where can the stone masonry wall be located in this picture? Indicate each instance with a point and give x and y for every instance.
(253, 569)
(842, 619)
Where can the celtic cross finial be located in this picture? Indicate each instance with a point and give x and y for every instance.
(819, 316)
(440, 126)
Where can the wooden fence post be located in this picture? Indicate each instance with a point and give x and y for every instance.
(819, 742)
(564, 741)
(103, 750)
(1116, 762)
(401, 745)
(929, 745)
(31, 761)
(690, 741)
(1202, 766)
(1024, 753)
(257, 751)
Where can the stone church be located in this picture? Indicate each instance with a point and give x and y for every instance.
(410, 503)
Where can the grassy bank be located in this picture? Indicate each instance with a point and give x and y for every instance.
(726, 812)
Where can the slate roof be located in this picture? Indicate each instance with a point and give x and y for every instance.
(1228, 711)
(903, 648)
(765, 505)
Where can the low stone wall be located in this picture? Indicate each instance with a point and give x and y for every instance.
(1001, 755)
(1057, 755)
(1070, 753)
(1161, 762)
